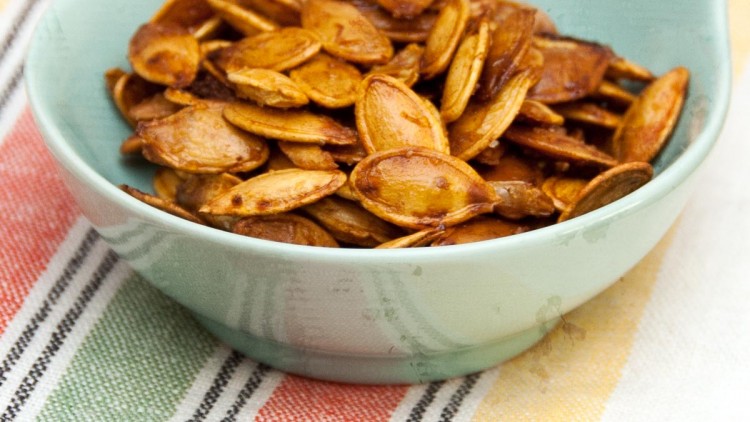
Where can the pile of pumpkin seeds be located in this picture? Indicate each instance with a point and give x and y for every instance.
(385, 123)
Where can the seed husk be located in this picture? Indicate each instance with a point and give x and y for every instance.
(482, 123)
(350, 223)
(197, 139)
(558, 145)
(289, 125)
(650, 120)
(276, 50)
(573, 69)
(345, 32)
(276, 192)
(417, 187)
(329, 82)
(444, 37)
(268, 88)
(608, 187)
(464, 72)
(164, 54)
(286, 228)
(390, 115)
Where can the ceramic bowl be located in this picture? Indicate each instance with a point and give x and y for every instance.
(375, 316)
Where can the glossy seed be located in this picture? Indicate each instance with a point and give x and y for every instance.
(536, 112)
(479, 229)
(189, 14)
(133, 144)
(289, 125)
(608, 187)
(244, 20)
(130, 90)
(417, 187)
(308, 156)
(197, 139)
(415, 29)
(593, 114)
(159, 203)
(573, 69)
(277, 50)
(650, 120)
(509, 44)
(286, 228)
(511, 167)
(267, 88)
(405, 8)
(197, 190)
(622, 68)
(165, 183)
(154, 107)
(345, 32)
(464, 72)
(350, 223)
(404, 66)
(284, 12)
(444, 37)
(328, 81)
(558, 145)
(164, 54)
(390, 115)
(482, 123)
(611, 92)
(276, 192)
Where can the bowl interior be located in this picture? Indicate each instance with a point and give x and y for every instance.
(79, 39)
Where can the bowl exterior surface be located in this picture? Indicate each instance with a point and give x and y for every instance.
(374, 316)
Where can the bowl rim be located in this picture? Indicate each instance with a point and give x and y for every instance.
(688, 162)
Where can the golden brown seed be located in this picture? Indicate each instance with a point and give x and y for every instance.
(622, 68)
(482, 123)
(286, 228)
(650, 120)
(404, 66)
(491, 155)
(444, 37)
(285, 12)
(405, 8)
(610, 91)
(513, 168)
(347, 154)
(267, 88)
(308, 156)
(164, 54)
(417, 187)
(289, 125)
(345, 32)
(563, 190)
(415, 240)
(111, 76)
(350, 223)
(180, 97)
(276, 192)
(277, 50)
(390, 115)
(133, 144)
(197, 139)
(130, 90)
(198, 189)
(573, 69)
(346, 192)
(521, 199)
(278, 161)
(479, 229)
(608, 187)
(536, 112)
(166, 182)
(510, 42)
(464, 72)
(415, 29)
(558, 145)
(161, 204)
(590, 113)
(328, 81)
(245, 20)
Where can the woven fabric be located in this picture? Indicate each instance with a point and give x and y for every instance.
(83, 338)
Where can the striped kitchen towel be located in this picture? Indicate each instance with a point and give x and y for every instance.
(83, 338)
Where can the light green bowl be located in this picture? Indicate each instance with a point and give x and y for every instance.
(375, 316)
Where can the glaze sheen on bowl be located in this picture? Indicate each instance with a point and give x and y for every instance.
(375, 316)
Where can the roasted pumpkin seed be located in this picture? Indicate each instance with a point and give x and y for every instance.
(164, 54)
(590, 113)
(417, 239)
(558, 145)
(308, 156)
(517, 199)
(242, 19)
(162, 204)
(350, 223)
(479, 229)
(444, 37)
(563, 190)
(415, 29)
(536, 112)
(267, 88)
(329, 82)
(276, 50)
(404, 66)
(286, 228)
